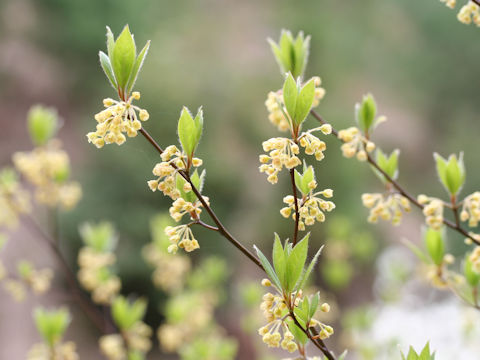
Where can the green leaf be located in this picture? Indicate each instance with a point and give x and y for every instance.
(365, 113)
(42, 124)
(51, 324)
(473, 278)
(304, 102)
(296, 263)
(389, 164)
(435, 245)
(451, 172)
(417, 251)
(187, 196)
(107, 68)
(279, 260)
(137, 67)
(299, 182)
(314, 305)
(298, 333)
(124, 54)
(190, 130)
(306, 274)
(268, 268)
(290, 95)
(126, 314)
(301, 50)
(291, 54)
(308, 177)
(110, 42)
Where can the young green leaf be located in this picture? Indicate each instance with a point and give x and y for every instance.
(296, 263)
(123, 57)
(296, 331)
(291, 54)
(435, 245)
(290, 95)
(365, 113)
(51, 324)
(389, 164)
(417, 251)
(314, 305)
(126, 314)
(137, 67)
(110, 42)
(451, 172)
(268, 268)
(107, 69)
(42, 124)
(190, 130)
(279, 260)
(304, 102)
(306, 274)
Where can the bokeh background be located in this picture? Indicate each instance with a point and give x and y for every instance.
(418, 61)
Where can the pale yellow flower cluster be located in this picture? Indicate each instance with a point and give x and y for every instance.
(118, 118)
(433, 211)
(116, 346)
(355, 143)
(47, 168)
(96, 276)
(471, 209)
(39, 280)
(437, 277)
(276, 109)
(14, 201)
(475, 259)
(468, 13)
(181, 207)
(450, 3)
(61, 351)
(312, 144)
(170, 271)
(311, 208)
(15, 288)
(389, 207)
(181, 236)
(282, 152)
(167, 174)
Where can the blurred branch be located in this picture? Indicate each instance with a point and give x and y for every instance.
(93, 312)
(455, 226)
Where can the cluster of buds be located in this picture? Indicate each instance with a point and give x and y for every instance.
(96, 276)
(282, 152)
(274, 309)
(118, 118)
(471, 209)
(388, 207)
(181, 207)
(311, 208)
(433, 211)
(64, 351)
(312, 144)
(136, 339)
(181, 236)
(275, 106)
(38, 280)
(355, 143)
(468, 13)
(475, 259)
(172, 157)
(47, 169)
(14, 200)
(170, 271)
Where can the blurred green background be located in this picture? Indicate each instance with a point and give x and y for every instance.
(418, 61)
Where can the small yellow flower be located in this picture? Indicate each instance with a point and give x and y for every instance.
(282, 152)
(355, 144)
(433, 211)
(389, 207)
(468, 13)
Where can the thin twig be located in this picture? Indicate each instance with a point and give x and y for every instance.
(297, 214)
(400, 189)
(224, 232)
(92, 311)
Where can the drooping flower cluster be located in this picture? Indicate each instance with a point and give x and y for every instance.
(475, 259)
(167, 173)
(47, 169)
(311, 208)
(96, 259)
(181, 236)
(119, 118)
(433, 211)
(468, 13)
(14, 200)
(389, 207)
(117, 347)
(312, 144)
(355, 143)
(63, 351)
(282, 152)
(275, 105)
(471, 209)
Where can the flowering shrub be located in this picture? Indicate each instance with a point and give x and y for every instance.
(295, 315)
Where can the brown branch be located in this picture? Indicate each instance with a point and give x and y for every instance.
(90, 309)
(224, 232)
(297, 213)
(455, 226)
